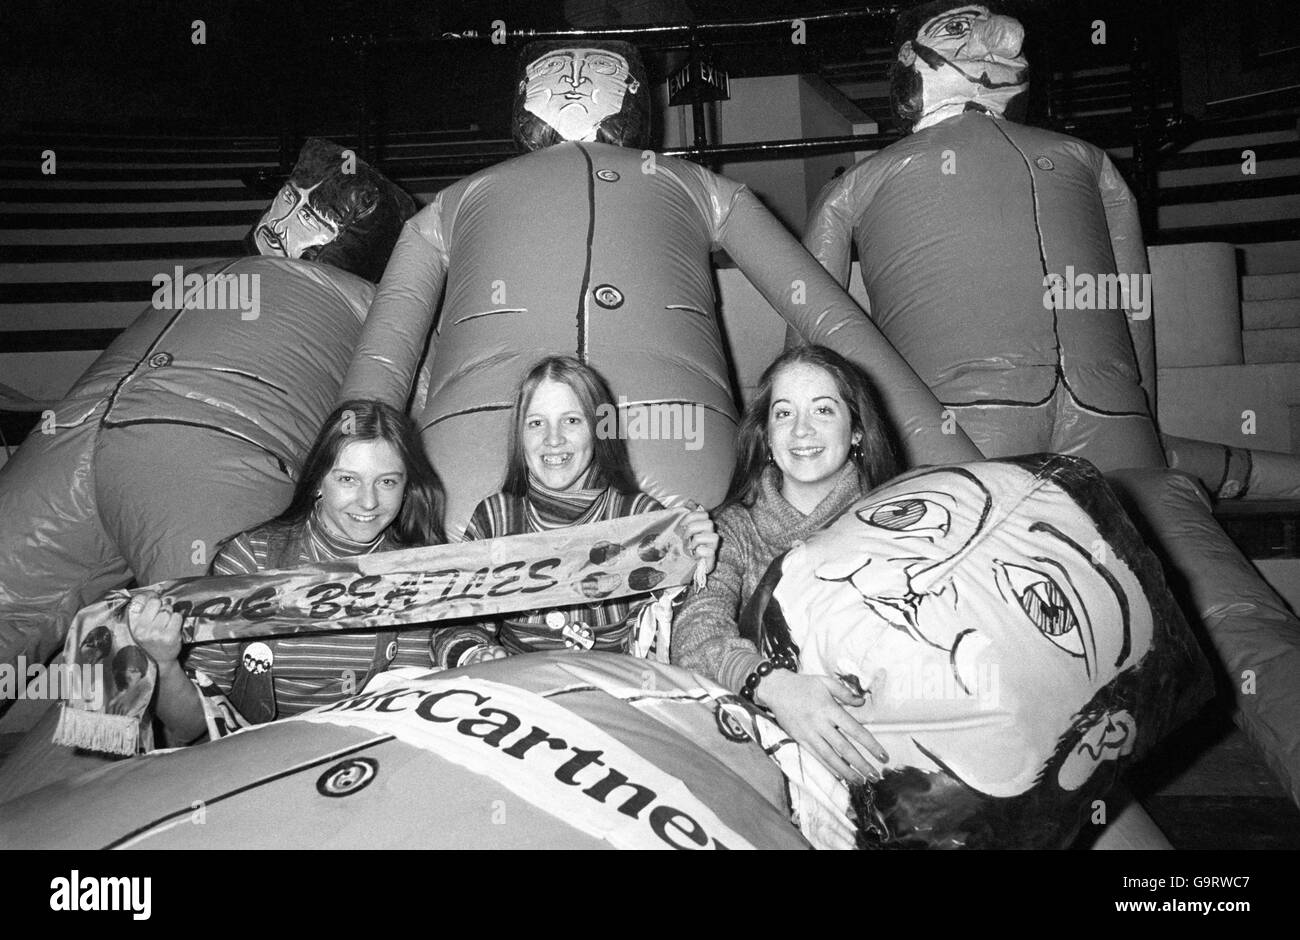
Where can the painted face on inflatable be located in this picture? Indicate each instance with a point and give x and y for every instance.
(595, 91)
(291, 225)
(557, 436)
(996, 633)
(809, 431)
(574, 90)
(972, 606)
(362, 493)
(960, 57)
(334, 209)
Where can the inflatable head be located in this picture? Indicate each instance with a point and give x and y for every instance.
(334, 209)
(1013, 636)
(581, 90)
(954, 57)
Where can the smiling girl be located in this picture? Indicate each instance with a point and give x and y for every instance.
(811, 443)
(561, 473)
(366, 486)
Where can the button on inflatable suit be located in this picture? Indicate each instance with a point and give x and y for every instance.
(1013, 636)
(973, 232)
(589, 245)
(192, 424)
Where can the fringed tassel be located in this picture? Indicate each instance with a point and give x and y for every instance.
(701, 576)
(108, 734)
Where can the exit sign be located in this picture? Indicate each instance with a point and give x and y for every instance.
(698, 81)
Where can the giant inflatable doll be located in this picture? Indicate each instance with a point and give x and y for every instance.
(591, 246)
(959, 228)
(192, 424)
(962, 230)
(1014, 639)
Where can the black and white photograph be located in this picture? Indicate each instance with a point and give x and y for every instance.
(651, 424)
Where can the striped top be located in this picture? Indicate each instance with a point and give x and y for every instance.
(610, 622)
(314, 670)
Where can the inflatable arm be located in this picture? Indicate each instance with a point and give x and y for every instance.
(1256, 636)
(818, 309)
(393, 338)
(830, 233)
(1130, 258)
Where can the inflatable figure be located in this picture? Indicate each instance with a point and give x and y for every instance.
(1013, 636)
(601, 750)
(569, 746)
(973, 232)
(191, 425)
(591, 246)
(959, 229)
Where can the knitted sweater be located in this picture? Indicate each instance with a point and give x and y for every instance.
(611, 622)
(706, 632)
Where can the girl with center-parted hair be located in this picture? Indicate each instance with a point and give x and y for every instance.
(811, 443)
(561, 473)
(366, 486)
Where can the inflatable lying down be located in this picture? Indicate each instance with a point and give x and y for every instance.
(546, 750)
(1014, 637)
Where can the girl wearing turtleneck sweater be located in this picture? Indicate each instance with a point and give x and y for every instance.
(366, 486)
(810, 444)
(560, 474)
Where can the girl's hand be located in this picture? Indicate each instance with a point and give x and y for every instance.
(702, 538)
(484, 654)
(810, 709)
(154, 626)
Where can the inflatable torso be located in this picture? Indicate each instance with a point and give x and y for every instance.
(630, 298)
(957, 226)
(268, 379)
(607, 258)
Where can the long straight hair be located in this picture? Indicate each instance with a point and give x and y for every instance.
(419, 520)
(875, 459)
(608, 452)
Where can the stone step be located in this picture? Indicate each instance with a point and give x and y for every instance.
(1228, 173)
(1271, 286)
(1269, 315)
(1275, 257)
(1229, 212)
(1279, 345)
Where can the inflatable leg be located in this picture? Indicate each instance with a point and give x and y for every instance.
(168, 493)
(55, 557)
(1236, 472)
(1256, 636)
(1109, 442)
(1006, 430)
(469, 454)
(692, 452)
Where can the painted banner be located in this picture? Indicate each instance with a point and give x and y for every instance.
(604, 560)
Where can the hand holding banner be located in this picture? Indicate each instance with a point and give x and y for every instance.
(596, 562)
